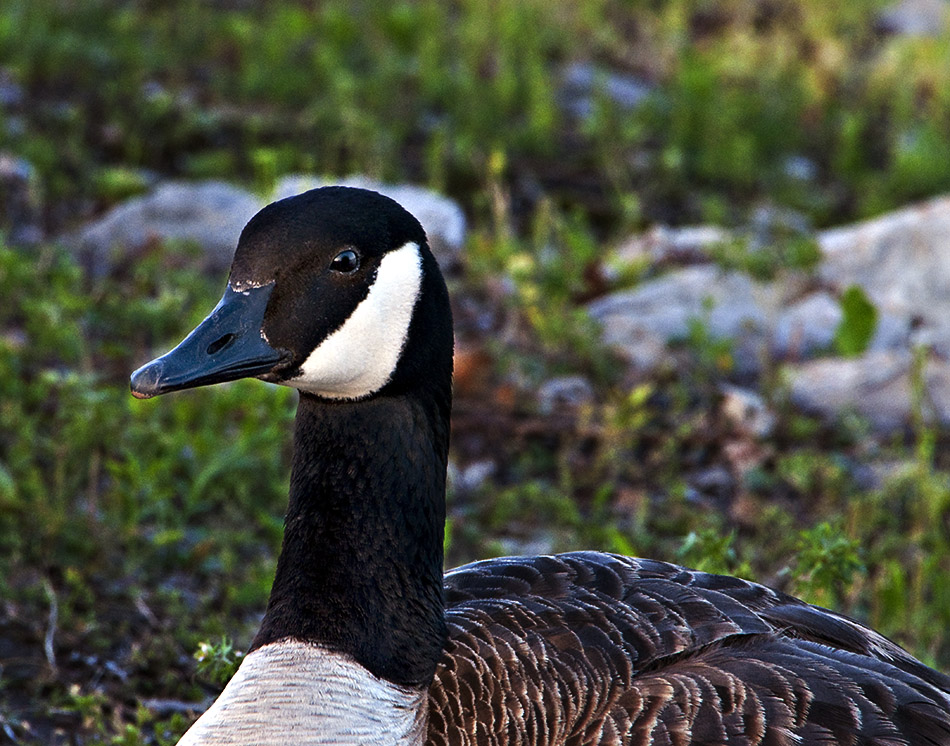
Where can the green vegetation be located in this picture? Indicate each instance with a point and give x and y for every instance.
(790, 252)
(137, 536)
(858, 323)
(791, 101)
(218, 662)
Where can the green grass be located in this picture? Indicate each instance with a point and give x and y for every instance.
(116, 512)
(137, 535)
(431, 90)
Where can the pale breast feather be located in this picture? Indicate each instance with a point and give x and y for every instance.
(293, 692)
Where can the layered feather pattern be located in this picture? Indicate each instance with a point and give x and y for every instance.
(589, 648)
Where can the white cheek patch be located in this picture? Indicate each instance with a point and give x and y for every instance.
(359, 358)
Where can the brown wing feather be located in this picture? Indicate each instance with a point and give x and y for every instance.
(589, 648)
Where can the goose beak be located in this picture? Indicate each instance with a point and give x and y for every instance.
(225, 346)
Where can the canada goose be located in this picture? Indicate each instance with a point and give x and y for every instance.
(336, 293)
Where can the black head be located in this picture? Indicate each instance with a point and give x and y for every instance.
(334, 292)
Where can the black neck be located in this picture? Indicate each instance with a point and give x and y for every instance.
(360, 571)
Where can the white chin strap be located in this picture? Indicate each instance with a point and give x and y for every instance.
(359, 358)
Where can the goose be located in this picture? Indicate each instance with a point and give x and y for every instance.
(364, 640)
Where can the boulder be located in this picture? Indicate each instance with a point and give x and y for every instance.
(663, 245)
(747, 412)
(641, 322)
(564, 392)
(806, 327)
(20, 204)
(877, 386)
(900, 260)
(582, 83)
(210, 214)
(915, 18)
(902, 263)
(442, 218)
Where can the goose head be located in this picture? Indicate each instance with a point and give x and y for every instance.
(333, 292)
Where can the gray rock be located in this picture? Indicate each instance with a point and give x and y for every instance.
(15, 125)
(806, 327)
(168, 707)
(864, 476)
(472, 477)
(915, 18)
(210, 214)
(539, 543)
(665, 245)
(887, 470)
(769, 224)
(582, 82)
(640, 322)
(902, 263)
(565, 391)
(894, 333)
(877, 386)
(714, 481)
(442, 218)
(747, 411)
(901, 260)
(800, 168)
(20, 203)
(11, 92)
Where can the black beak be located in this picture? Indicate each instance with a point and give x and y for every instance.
(226, 346)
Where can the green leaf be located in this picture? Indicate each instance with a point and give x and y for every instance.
(858, 323)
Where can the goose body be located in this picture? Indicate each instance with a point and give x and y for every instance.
(364, 640)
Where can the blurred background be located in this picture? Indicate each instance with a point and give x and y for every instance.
(699, 255)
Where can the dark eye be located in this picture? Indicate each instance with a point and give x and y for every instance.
(346, 261)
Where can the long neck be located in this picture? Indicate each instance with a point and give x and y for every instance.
(360, 571)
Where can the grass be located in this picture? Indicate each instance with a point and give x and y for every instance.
(115, 513)
(135, 536)
(432, 91)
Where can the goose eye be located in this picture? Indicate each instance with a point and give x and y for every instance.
(346, 261)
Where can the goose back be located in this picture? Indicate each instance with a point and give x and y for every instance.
(591, 649)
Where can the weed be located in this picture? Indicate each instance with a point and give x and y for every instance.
(218, 662)
(550, 273)
(712, 550)
(858, 323)
(712, 356)
(825, 564)
(790, 252)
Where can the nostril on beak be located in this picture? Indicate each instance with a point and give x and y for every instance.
(219, 344)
